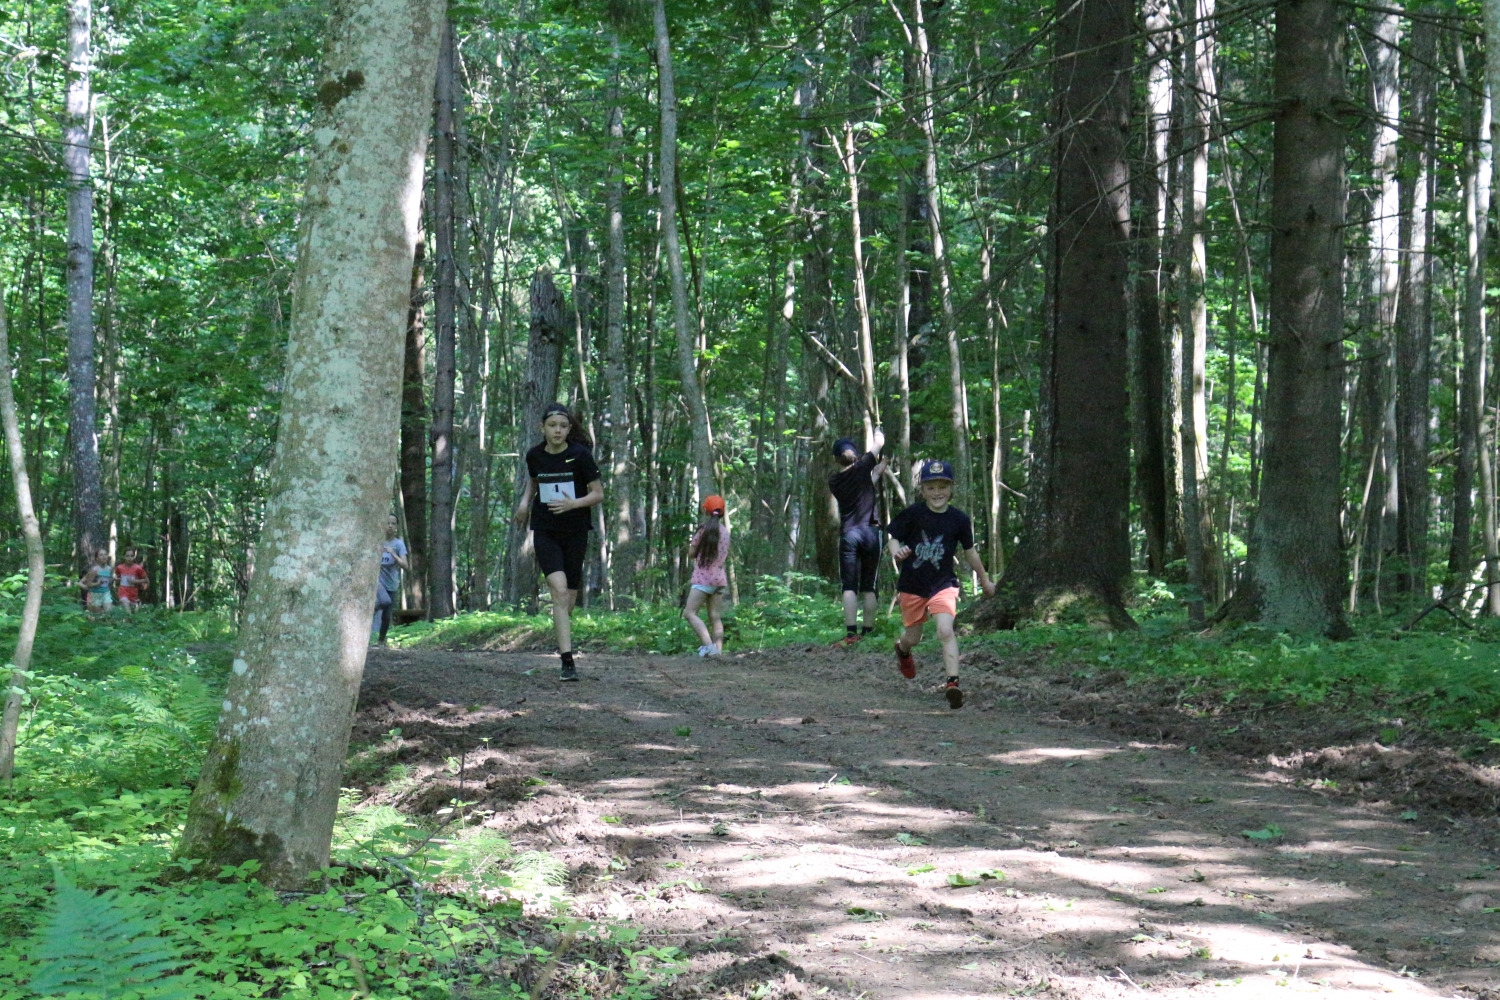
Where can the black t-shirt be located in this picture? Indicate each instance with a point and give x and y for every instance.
(566, 474)
(934, 539)
(855, 492)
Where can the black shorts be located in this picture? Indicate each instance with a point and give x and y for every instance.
(561, 552)
(859, 558)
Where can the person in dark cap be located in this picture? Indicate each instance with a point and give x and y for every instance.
(853, 486)
(924, 538)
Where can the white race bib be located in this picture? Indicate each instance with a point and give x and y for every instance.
(550, 492)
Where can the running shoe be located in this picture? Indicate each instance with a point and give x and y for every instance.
(569, 673)
(953, 694)
(706, 651)
(849, 641)
(905, 663)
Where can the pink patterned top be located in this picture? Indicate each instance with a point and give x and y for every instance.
(713, 574)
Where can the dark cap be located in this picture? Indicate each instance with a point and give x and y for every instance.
(934, 469)
(845, 444)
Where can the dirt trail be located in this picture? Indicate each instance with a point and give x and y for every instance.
(790, 815)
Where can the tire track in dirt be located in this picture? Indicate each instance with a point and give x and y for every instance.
(796, 814)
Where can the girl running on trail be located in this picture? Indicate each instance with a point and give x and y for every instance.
(566, 479)
(709, 550)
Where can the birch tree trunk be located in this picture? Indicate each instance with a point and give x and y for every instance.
(36, 560)
(692, 389)
(1075, 555)
(445, 317)
(1414, 317)
(269, 788)
(1295, 571)
(83, 431)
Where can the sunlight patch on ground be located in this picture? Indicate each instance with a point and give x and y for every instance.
(1040, 755)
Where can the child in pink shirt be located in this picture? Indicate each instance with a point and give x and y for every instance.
(709, 551)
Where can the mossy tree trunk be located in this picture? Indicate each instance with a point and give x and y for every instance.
(1075, 552)
(269, 788)
(1295, 574)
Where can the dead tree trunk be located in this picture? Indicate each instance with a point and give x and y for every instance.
(549, 325)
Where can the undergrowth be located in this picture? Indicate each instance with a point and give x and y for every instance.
(793, 610)
(92, 904)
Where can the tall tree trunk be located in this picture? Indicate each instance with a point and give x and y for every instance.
(1414, 316)
(861, 296)
(901, 364)
(1385, 281)
(549, 320)
(959, 401)
(36, 560)
(1197, 76)
(692, 389)
(627, 544)
(83, 433)
(414, 434)
(445, 315)
(1077, 540)
(472, 463)
(1474, 423)
(1295, 571)
(269, 788)
(1149, 395)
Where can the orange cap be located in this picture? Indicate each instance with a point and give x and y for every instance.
(714, 505)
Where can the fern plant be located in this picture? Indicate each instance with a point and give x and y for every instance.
(100, 946)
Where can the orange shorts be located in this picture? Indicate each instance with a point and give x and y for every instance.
(916, 609)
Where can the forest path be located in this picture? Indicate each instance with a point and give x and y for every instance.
(800, 812)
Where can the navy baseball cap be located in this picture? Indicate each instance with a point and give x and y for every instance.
(844, 444)
(933, 469)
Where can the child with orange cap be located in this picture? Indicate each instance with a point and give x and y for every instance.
(709, 550)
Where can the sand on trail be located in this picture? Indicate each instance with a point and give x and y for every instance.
(812, 820)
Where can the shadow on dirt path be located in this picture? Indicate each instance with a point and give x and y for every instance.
(816, 817)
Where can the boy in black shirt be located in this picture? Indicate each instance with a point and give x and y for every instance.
(924, 539)
(853, 486)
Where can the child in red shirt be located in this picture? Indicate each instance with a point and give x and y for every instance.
(130, 577)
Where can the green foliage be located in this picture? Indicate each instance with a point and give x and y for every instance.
(92, 904)
(1449, 679)
(791, 611)
(96, 946)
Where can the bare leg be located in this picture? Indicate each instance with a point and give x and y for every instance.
(869, 597)
(715, 601)
(695, 599)
(562, 609)
(911, 637)
(950, 643)
(851, 600)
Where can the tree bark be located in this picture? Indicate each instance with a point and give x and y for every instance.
(622, 525)
(36, 560)
(414, 434)
(83, 431)
(959, 401)
(445, 316)
(1197, 61)
(1295, 572)
(1150, 430)
(1074, 559)
(692, 389)
(1414, 317)
(269, 787)
(549, 320)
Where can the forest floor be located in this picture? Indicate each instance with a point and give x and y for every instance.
(805, 818)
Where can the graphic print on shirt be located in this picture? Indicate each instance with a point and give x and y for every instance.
(928, 552)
